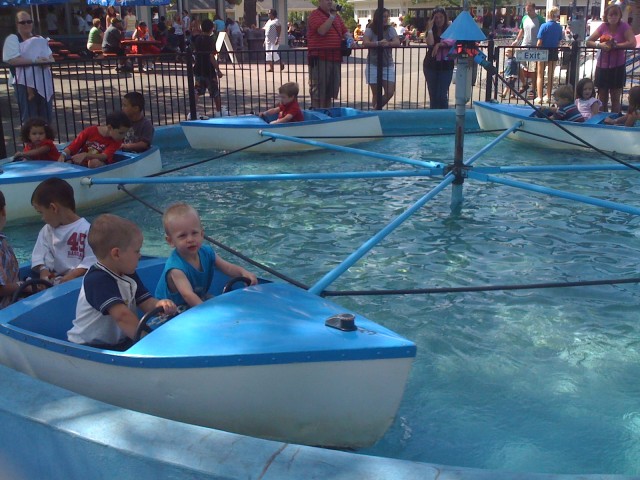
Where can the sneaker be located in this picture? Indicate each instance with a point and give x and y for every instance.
(203, 117)
(545, 99)
(538, 101)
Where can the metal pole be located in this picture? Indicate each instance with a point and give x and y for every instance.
(462, 80)
(380, 60)
(188, 55)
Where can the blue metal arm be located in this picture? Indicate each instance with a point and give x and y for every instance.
(263, 178)
(357, 151)
(556, 193)
(333, 275)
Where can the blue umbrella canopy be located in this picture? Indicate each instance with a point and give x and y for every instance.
(27, 3)
(126, 3)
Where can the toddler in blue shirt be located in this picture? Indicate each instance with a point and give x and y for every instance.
(189, 270)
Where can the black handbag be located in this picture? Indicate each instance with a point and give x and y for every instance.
(345, 49)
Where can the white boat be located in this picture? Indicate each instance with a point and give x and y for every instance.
(18, 180)
(542, 132)
(258, 361)
(338, 126)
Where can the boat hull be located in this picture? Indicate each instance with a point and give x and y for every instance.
(258, 361)
(336, 404)
(234, 133)
(541, 132)
(18, 180)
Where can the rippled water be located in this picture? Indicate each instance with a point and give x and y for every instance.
(543, 380)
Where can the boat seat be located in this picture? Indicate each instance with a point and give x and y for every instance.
(39, 319)
(599, 118)
(311, 115)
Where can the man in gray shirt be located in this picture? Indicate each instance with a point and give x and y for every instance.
(111, 43)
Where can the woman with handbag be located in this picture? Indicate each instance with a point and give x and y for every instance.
(437, 66)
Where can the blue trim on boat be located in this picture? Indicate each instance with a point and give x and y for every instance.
(290, 322)
(519, 112)
(253, 121)
(37, 171)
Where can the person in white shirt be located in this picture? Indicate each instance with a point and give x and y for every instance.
(130, 22)
(30, 106)
(528, 34)
(82, 25)
(89, 17)
(186, 21)
(272, 32)
(52, 21)
(61, 252)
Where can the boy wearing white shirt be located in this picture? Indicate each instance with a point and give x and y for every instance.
(62, 251)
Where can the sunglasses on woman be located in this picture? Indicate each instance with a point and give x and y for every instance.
(25, 22)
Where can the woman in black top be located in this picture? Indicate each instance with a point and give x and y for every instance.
(437, 67)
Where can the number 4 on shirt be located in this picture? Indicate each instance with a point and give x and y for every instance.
(76, 242)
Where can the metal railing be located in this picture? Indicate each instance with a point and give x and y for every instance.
(85, 90)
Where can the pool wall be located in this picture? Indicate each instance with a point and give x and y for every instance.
(51, 433)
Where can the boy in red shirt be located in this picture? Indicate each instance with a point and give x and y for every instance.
(288, 110)
(95, 146)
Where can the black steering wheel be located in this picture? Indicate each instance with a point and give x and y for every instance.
(229, 285)
(142, 324)
(20, 292)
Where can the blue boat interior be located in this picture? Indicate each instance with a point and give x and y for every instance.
(596, 119)
(37, 170)
(37, 320)
(252, 325)
(315, 115)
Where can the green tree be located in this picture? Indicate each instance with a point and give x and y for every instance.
(347, 14)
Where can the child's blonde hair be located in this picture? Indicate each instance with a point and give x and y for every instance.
(111, 231)
(290, 89)
(179, 209)
(565, 92)
(554, 12)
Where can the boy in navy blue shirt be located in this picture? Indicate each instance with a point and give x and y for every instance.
(106, 313)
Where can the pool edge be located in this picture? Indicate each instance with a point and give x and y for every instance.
(49, 432)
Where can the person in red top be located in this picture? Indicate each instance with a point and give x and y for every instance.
(288, 110)
(325, 31)
(38, 137)
(95, 146)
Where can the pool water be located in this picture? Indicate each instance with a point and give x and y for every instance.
(534, 380)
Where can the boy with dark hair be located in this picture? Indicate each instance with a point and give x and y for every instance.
(140, 135)
(289, 109)
(106, 313)
(61, 252)
(95, 146)
(206, 70)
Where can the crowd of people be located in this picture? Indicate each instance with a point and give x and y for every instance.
(612, 38)
(326, 37)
